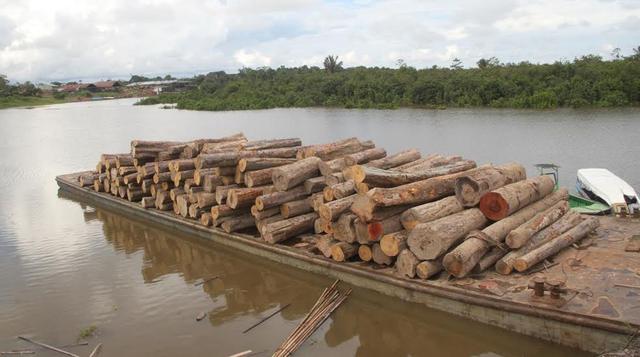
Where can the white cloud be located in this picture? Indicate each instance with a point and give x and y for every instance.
(251, 58)
(66, 39)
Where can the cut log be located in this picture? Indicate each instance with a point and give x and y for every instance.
(406, 264)
(332, 210)
(316, 200)
(414, 193)
(334, 178)
(379, 257)
(195, 212)
(262, 223)
(469, 190)
(174, 192)
(259, 163)
(135, 194)
(183, 205)
(295, 208)
(343, 229)
(277, 198)
(160, 166)
(428, 268)
(279, 231)
(365, 156)
(397, 159)
(206, 199)
(393, 243)
(430, 240)
(272, 144)
(223, 211)
(222, 192)
(506, 200)
(339, 190)
(362, 188)
(430, 212)
(519, 236)
(556, 245)
(339, 148)
(98, 185)
(181, 176)
(315, 184)
(243, 197)
(365, 253)
(343, 251)
(376, 229)
(489, 259)
(569, 220)
(420, 161)
(289, 176)
(264, 214)
(258, 177)
(211, 182)
(324, 245)
(321, 225)
(148, 202)
(464, 257)
(238, 223)
(206, 220)
(87, 180)
(389, 178)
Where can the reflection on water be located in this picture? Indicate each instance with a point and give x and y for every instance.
(249, 288)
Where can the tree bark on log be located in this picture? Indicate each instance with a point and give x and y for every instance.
(324, 245)
(410, 194)
(259, 163)
(389, 178)
(393, 243)
(469, 190)
(506, 200)
(489, 259)
(465, 256)
(258, 177)
(519, 236)
(365, 253)
(295, 208)
(365, 156)
(419, 161)
(430, 240)
(289, 176)
(264, 214)
(195, 212)
(428, 268)
(406, 264)
(343, 251)
(315, 184)
(262, 223)
(316, 200)
(394, 160)
(556, 245)
(379, 257)
(430, 163)
(279, 231)
(174, 192)
(429, 212)
(222, 192)
(326, 150)
(339, 190)
(272, 144)
(211, 182)
(569, 220)
(332, 210)
(223, 211)
(277, 198)
(238, 223)
(343, 229)
(243, 197)
(205, 199)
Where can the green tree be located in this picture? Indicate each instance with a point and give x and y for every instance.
(331, 64)
(456, 63)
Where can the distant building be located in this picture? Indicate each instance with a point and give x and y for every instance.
(172, 85)
(76, 87)
(107, 85)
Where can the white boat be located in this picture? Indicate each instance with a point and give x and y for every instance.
(602, 185)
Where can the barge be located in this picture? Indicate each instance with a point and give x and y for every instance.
(598, 310)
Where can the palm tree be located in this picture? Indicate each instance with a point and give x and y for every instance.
(331, 64)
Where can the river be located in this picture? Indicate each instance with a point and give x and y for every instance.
(65, 266)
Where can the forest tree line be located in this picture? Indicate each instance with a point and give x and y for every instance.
(588, 81)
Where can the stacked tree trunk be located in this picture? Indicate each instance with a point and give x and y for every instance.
(347, 200)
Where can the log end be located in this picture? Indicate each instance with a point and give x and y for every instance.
(503, 268)
(520, 265)
(337, 254)
(365, 253)
(363, 207)
(494, 206)
(453, 265)
(375, 231)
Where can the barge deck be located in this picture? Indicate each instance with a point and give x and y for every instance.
(599, 312)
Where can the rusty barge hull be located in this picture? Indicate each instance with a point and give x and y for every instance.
(596, 315)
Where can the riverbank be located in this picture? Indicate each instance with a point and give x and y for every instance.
(23, 101)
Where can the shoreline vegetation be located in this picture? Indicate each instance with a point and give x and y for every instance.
(586, 82)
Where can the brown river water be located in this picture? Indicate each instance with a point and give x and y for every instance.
(66, 266)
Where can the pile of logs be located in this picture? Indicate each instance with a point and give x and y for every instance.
(348, 200)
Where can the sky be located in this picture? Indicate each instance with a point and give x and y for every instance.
(44, 40)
